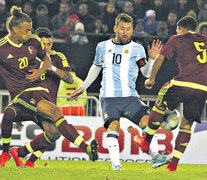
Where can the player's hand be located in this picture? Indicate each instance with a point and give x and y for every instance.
(36, 73)
(149, 83)
(19, 126)
(76, 93)
(50, 67)
(155, 49)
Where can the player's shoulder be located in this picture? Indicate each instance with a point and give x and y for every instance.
(173, 39)
(3, 41)
(136, 45)
(103, 43)
(34, 37)
(59, 55)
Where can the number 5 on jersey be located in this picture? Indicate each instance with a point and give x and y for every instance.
(198, 45)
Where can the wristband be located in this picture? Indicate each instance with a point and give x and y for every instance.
(54, 68)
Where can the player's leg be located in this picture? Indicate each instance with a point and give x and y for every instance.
(167, 96)
(49, 110)
(139, 115)
(181, 143)
(111, 115)
(51, 132)
(192, 109)
(113, 144)
(155, 119)
(158, 160)
(6, 131)
(49, 127)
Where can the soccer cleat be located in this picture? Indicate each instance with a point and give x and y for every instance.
(29, 164)
(116, 167)
(171, 167)
(18, 161)
(160, 160)
(4, 158)
(92, 150)
(142, 143)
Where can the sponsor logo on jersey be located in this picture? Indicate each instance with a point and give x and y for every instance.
(33, 101)
(31, 49)
(9, 56)
(109, 51)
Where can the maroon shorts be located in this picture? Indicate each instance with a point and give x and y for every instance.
(28, 100)
(193, 100)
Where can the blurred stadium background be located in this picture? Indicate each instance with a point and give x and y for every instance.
(97, 18)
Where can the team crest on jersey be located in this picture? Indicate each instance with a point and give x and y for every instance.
(32, 101)
(126, 51)
(105, 116)
(31, 49)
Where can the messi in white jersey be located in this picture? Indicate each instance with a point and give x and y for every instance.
(121, 59)
(121, 64)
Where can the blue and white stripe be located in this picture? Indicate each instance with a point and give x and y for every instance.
(118, 78)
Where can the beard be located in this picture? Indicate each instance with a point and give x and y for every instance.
(124, 41)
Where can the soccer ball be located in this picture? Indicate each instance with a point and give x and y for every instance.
(171, 120)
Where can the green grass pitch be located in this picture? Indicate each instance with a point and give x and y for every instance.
(72, 170)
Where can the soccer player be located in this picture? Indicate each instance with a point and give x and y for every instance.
(58, 69)
(121, 59)
(188, 87)
(19, 52)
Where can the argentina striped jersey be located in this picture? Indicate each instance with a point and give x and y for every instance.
(120, 69)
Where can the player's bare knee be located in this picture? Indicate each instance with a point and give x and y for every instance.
(51, 131)
(144, 121)
(141, 117)
(114, 126)
(53, 134)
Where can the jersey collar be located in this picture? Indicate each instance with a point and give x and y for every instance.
(12, 43)
(120, 44)
(192, 32)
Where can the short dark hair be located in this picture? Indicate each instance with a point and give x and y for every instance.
(123, 17)
(17, 18)
(43, 32)
(188, 22)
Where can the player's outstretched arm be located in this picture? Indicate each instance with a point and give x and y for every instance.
(155, 68)
(92, 75)
(155, 49)
(76, 93)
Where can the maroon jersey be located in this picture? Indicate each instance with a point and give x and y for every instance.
(189, 50)
(52, 79)
(16, 60)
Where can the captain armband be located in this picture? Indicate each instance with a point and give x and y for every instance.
(141, 62)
